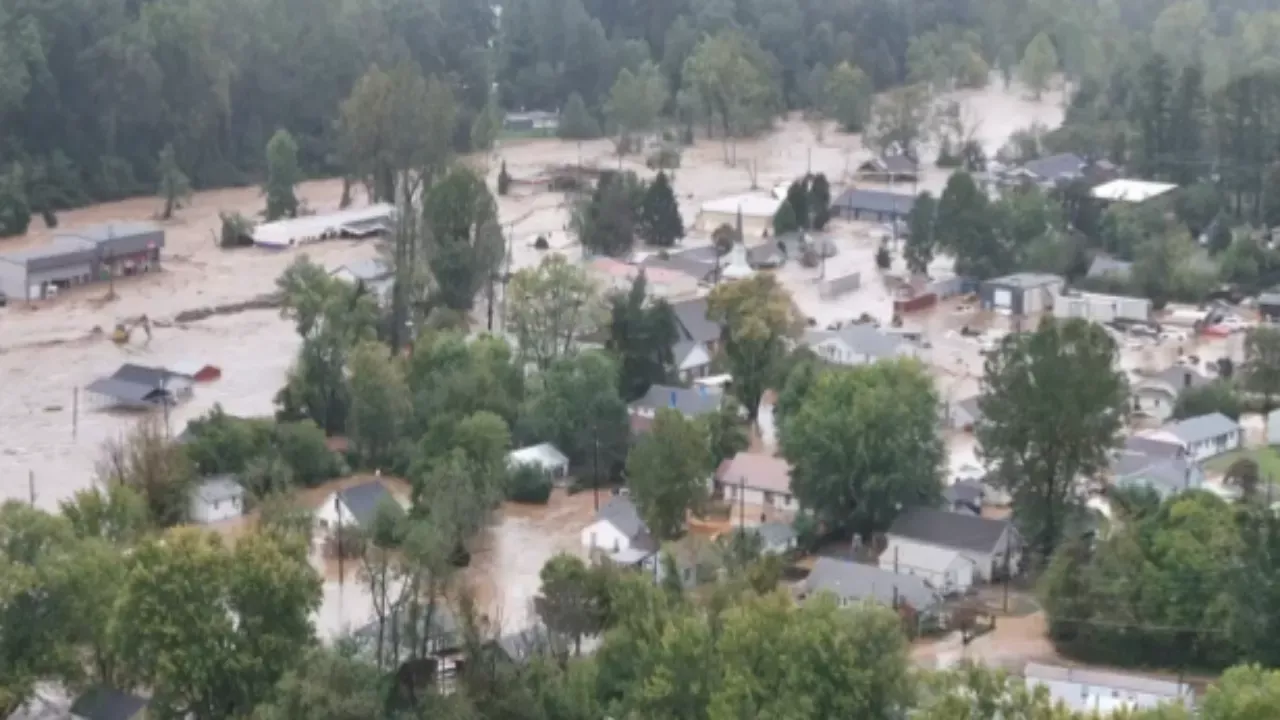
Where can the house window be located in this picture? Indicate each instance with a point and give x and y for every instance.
(768, 499)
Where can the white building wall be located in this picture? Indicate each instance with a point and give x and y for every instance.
(957, 578)
(761, 498)
(327, 514)
(1153, 402)
(13, 280)
(1080, 697)
(1214, 447)
(604, 536)
(203, 512)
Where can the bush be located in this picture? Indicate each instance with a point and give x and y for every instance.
(664, 158)
(504, 180)
(528, 484)
(237, 230)
(302, 447)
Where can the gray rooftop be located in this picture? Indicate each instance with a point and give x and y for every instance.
(688, 401)
(127, 393)
(1165, 475)
(1153, 446)
(110, 231)
(1203, 427)
(855, 581)
(1026, 280)
(682, 349)
(971, 407)
(1271, 297)
(691, 315)
(950, 530)
(55, 253)
(964, 491)
(368, 270)
(1104, 265)
(880, 201)
(104, 703)
(1056, 167)
(623, 515)
(861, 338)
(363, 500)
(217, 488)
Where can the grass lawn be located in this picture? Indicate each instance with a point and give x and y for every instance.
(1268, 460)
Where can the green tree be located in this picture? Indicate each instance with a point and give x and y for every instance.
(578, 408)
(785, 220)
(571, 600)
(635, 102)
(283, 174)
(798, 198)
(862, 446)
(467, 244)
(1039, 63)
(730, 74)
(641, 336)
(899, 120)
(195, 618)
(847, 97)
(484, 129)
(921, 234)
(667, 472)
(117, 514)
(576, 122)
(1219, 396)
(550, 307)
(326, 685)
(379, 404)
(606, 221)
(726, 432)
(1261, 371)
(963, 226)
(149, 462)
(819, 201)
(175, 187)
(758, 317)
(15, 212)
(1040, 437)
(659, 222)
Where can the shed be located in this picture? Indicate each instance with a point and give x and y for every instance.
(755, 209)
(1021, 293)
(872, 205)
(944, 569)
(544, 456)
(215, 498)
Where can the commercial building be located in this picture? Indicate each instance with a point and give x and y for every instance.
(756, 211)
(80, 256)
(354, 223)
(1021, 293)
(873, 205)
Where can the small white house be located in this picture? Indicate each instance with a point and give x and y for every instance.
(945, 569)
(1097, 691)
(1156, 395)
(692, 359)
(755, 479)
(858, 344)
(756, 211)
(993, 546)
(1202, 437)
(545, 456)
(618, 531)
(216, 498)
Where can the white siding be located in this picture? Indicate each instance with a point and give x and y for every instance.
(904, 558)
(761, 498)
(13, 280)
(603, 535)
(1215, 446)
(203, 511)
(327, 514)
(1154, 402)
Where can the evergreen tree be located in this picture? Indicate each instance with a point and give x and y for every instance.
(921, 240)
(15, 213)
(174, 185)
(819, 201)
(504, 179)
(282, 175)
(576, 122)
(660, 223)
(1039, 63)
(798, 199)
(784, 221)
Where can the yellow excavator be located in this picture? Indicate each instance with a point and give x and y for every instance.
(124, 329)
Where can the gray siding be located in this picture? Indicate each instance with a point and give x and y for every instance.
(13, 280)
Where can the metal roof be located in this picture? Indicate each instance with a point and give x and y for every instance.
(127, 393)
(103, 703)
(1103, 678)
(544, 455)
(948, 529)
(216, 488)
(1026, 280)
(110, 231)
(915, 556)
(860, 338)
(880, 201)
(855, 581)
(621, 513)
(1135, 191)
(688, 401)
(363, 500)
(1203, 427)
(1104, 265)
(1056, 167)
(693, 320)
(59, 251)
(749, 204)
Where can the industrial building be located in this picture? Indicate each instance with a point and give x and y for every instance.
(872, 205)
(1102, 308)
(355, 223)
(1021, 293)
(80, 256)
(755, 210)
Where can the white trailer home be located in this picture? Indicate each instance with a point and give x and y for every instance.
(1102, 308)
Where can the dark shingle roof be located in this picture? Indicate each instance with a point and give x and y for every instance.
(363, 500)
(152, 377)
(691, 315)
(946, 529)
(623, 515)
(859, 582)
(1104, 265)
(103, 703)
(126, 392)
(1055, 167)
(874, 201)
(972, 407)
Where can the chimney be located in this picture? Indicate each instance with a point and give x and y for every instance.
(1186, 379)
(673, 399)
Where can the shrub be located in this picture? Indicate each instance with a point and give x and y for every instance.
(528, 484)
(237, 230)
(504, 180)
(541, 243)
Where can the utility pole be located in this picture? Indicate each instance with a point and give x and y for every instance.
(742, 505)
(1006, 579)
(31, 486)
(595, 468)
(342, 576)
(75, 412)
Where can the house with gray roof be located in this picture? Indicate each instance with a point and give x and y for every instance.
(692, 360)
(858, 344)
(690, 402)
(215, 498)
(1104, 266)
(852, 583)
(992, 545)
(890, 168)
(1053, 170)
(1156, 395)
(693, 323)
(357, 505)
(620, 533)
(872, 205)
(139, 387)
(1203, 436)
(1165, 476)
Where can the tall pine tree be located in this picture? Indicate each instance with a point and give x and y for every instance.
(819, 201)
(660, 223)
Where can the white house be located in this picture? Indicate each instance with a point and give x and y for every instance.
(852, 583)
(1156, 395)
(858, 344)
(755, 479)
(993, 546)
(356, 505)
(1201, 437)
(755, 209)
(619, 532)
(1089, 691)
(945, 569)
(545, 456)
(216, 498)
